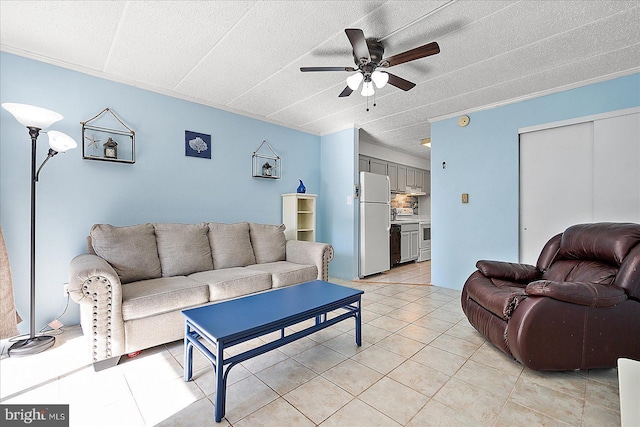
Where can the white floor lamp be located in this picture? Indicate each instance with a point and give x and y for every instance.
(36, 119)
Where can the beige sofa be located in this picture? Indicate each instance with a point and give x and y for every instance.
(134, 281)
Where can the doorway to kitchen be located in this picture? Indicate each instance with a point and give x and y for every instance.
(411, 273)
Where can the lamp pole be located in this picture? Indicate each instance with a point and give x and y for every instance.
(33, 132)
(33, 344)
(35, 119)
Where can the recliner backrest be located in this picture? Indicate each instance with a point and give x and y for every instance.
(607, 242)
(607, 253)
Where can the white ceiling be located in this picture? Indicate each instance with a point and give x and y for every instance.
(244, 56)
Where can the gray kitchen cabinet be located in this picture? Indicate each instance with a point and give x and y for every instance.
(377, 166)
(392, 171)
(405, 246)
(415, 236)
(426, 186)
(419, 178)
(409, 239)
(411, 177)
(402, 177)
(363, 164)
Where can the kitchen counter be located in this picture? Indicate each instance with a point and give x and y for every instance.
(415, 220)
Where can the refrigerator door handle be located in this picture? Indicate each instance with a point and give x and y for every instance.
(389, 220)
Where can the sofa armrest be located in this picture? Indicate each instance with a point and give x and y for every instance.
(581, 293)
(94, 284)
(311, 253)
(521, 273)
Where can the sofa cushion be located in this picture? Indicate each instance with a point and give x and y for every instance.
(183, 248)
(233, 282)
(230, 245)
(268, 241)
(131, 251)
(285, 273)
(157, 296)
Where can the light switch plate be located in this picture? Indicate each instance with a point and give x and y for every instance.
(465, 198)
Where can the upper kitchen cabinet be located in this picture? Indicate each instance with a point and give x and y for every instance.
(369, 164)
(426, 185)
(402, 178)
(419, 179)
(363, 164)
(378, 166)
(392, 171)
(411, 177)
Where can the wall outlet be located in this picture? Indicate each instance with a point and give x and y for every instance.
(55, 324)
(65, 287)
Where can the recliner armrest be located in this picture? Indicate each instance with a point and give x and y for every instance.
(581, 293)
(523, 273)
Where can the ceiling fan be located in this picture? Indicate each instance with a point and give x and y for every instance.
(367, 55)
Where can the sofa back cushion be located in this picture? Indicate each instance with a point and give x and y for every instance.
(268, 241)
(183, 248)
(230, 245)
(131, 250)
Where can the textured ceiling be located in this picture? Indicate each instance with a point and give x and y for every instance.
(244, 56)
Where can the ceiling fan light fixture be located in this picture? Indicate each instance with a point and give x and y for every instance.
(353, 81)
(380, 78)
(367, 89)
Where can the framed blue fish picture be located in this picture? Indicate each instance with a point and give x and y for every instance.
(197, 144)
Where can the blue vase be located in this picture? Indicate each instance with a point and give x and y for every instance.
(301, 187)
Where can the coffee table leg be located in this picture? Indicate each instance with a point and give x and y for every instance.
(220, 385)
(359, 325)
(188, 355)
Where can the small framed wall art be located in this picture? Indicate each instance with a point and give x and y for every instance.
(266, 164)
(197, 144)
(111, 141)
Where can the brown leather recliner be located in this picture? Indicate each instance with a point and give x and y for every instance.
(577, 308)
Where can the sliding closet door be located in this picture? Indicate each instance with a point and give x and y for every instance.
(584, 172)
(616, 174)
(556, 180)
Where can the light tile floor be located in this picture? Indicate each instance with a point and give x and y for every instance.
(410, 273)
(420, 364)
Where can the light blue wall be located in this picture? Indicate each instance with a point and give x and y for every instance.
(339, 159)
(482, 159)
(163, 184)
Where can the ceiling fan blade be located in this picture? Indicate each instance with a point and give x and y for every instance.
(305, 69)
(413, 54)
(359, 43)
(400, 83)
(346, 92)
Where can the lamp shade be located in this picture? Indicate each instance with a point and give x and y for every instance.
(31, 116)
(60, 142)
(367, 89)
(380, 78)
(354, 80)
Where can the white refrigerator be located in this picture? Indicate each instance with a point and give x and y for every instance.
(375, 223)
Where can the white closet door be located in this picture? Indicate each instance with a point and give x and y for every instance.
(616, 174)
(556, 181)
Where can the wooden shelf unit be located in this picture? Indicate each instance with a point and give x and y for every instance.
(299, 216)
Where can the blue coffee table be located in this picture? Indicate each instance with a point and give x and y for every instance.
(232, 322)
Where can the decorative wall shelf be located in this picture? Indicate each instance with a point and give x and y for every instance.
(108, 144)
(266, 165)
